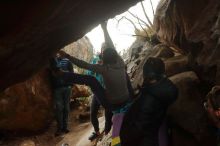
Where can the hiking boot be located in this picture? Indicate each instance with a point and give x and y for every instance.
(58, 133)
(65, 131)
(93, 136)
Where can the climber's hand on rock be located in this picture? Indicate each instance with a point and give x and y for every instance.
(104, 24)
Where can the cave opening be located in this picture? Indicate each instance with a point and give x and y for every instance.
(183, 33)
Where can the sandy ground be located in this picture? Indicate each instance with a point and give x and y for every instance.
(79, 136)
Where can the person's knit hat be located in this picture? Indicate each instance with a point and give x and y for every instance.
(154, 68)
(109, 56)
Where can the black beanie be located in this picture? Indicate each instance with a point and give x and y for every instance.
(109, 56)
(154, 68)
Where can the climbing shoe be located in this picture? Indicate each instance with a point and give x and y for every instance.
(93, 136)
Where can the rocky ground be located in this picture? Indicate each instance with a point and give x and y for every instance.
(78, 124)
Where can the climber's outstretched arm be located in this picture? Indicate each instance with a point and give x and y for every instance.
(108, 40)
(82, 64)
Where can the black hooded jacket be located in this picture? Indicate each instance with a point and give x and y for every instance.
(142, 122)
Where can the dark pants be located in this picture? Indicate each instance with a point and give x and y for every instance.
(96, 87)
(62, 106)
(92, 82)
(95, 105)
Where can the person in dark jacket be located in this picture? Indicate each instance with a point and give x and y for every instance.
(61, 92)
(145, 116)
(116, 93)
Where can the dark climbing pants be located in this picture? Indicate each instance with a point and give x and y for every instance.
(92, 82)
(96, 87)
(62, 106)
(95, 106)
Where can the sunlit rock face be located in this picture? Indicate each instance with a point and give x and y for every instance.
(81, 49)
(31, 31)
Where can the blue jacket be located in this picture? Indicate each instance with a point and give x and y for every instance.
(56, 64)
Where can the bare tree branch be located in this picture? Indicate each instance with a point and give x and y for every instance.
(135, 16)
(152, 6)
(108, 40)
(124, 17)
(143, 28)
(140, 20)
(148, 20)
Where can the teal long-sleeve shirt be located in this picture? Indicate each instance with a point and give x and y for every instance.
(96, 75)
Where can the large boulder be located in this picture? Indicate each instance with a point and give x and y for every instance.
(192, 27)
(187, 114)
(135, 64)
(81, 49)
(164, 51)
(32, 31)
(176, 65)
(27, 106)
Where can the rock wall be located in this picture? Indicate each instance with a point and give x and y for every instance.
(189, 122)
(28, 106)
(191, 29)
(32, 31)
(82, 49)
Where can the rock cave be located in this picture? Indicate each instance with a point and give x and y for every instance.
(188, 33)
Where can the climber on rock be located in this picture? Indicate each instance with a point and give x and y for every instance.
(95, 105)
(117, 89)
(116, 92)
(142, 121)
(61, 92)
